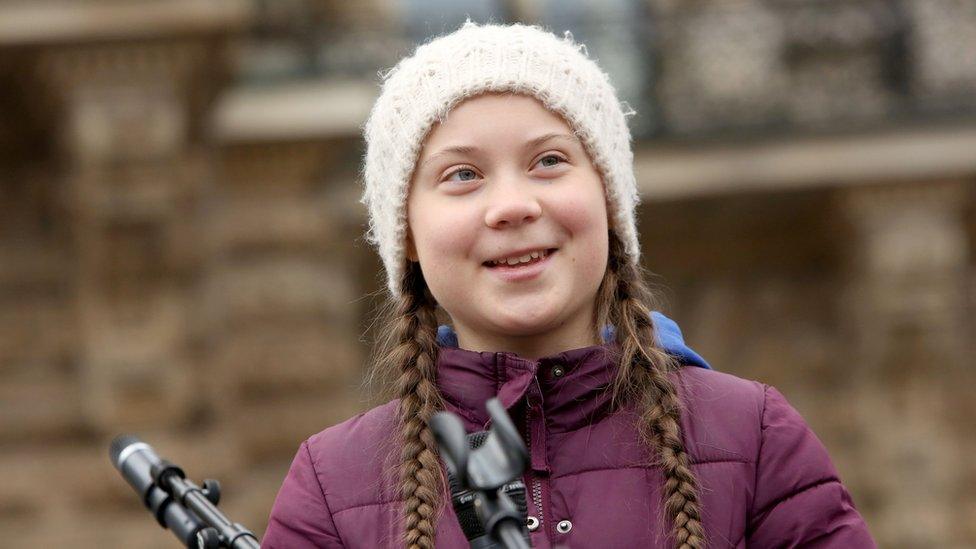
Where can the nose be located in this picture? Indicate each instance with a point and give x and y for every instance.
(512, 203)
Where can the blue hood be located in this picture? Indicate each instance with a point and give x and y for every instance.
(668, 336)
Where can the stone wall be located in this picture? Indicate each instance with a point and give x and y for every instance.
(857, 304)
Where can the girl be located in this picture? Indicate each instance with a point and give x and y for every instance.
(500, 189)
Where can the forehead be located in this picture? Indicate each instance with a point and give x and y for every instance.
(506, 114)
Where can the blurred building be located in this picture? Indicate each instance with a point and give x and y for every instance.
(181, 251)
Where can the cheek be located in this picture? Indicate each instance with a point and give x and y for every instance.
(444, 238)
(584, 216)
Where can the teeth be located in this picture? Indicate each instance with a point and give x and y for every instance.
(523, 259)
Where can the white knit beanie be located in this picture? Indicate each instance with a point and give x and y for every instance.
(475, 59)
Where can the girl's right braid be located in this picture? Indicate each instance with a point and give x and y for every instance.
(643, 378)
(415, 354)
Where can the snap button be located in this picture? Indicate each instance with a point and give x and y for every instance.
(532, 523)
(558, 371)
(564, 526)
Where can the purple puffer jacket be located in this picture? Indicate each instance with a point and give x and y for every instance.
(765, 480)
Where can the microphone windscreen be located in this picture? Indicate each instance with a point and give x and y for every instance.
(119, 444)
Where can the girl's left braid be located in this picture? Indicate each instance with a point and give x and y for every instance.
(645, 378)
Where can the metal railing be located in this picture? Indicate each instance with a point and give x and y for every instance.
(691, 70)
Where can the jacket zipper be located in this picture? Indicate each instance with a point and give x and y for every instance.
(536, 484)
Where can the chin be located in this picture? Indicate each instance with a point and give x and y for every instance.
(525, 324)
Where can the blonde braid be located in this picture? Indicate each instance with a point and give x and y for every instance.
(643, 378)
(412, 344)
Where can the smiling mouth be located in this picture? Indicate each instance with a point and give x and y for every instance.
(519, 261)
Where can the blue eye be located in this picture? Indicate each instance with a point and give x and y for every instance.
(464, 174)
(551, 160)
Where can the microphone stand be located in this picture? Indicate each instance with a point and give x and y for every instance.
(484, 473)
(187, 510)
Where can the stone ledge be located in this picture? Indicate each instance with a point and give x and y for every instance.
(51, 22)
(293, 111)
(667, 172)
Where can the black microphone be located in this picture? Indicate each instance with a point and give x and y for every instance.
(136, 460)
(484, 478)
(189, 511)
(463, 500)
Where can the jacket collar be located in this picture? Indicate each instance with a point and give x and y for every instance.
(573, 384)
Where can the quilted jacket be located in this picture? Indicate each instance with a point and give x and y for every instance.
(765, 480)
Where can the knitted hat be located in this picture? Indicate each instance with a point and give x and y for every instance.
(421, 89)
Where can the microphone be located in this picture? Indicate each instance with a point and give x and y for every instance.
(463, 500)
(484, 472)
(178, 504)
(136, 460)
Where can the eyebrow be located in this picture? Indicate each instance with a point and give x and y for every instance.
(468, 149)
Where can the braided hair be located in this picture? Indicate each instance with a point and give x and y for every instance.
(644, 378)
(408, 353)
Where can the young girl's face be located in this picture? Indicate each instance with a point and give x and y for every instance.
(503, 180)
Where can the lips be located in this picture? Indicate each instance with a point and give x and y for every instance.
(520, 273)
(519, 258)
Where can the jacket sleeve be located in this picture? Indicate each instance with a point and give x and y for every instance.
(300, 517)
(799, 500)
